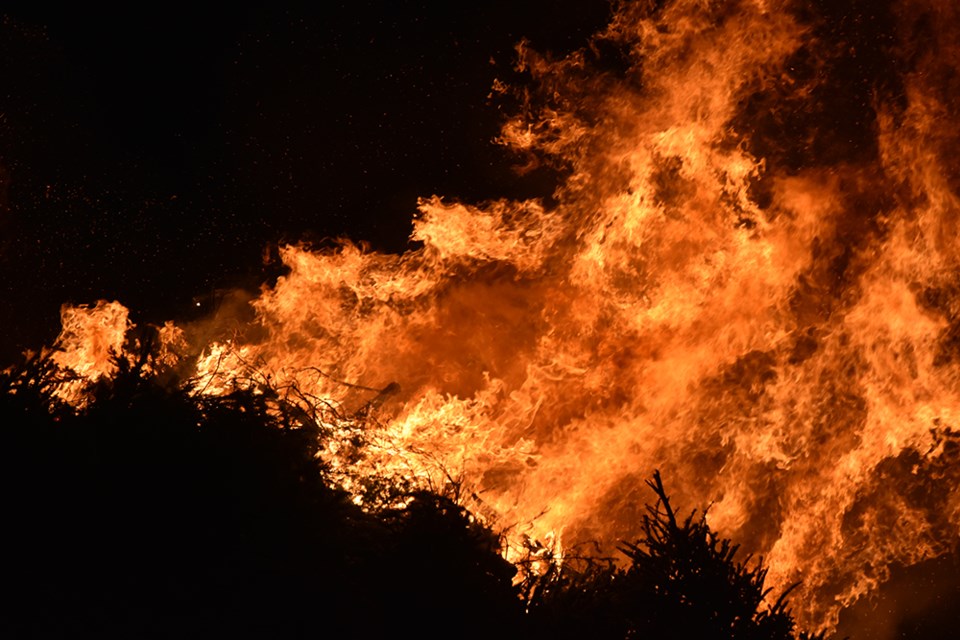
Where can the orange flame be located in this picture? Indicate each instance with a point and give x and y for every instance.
(89, 342)
(778, 337)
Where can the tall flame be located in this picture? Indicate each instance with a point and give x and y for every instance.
(775, 330)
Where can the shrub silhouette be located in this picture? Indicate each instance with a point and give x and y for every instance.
(155, 513)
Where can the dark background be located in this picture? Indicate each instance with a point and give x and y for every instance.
(155, 153)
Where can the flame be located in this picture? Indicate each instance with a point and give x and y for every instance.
(90, 336)
(721, 290)
(90, 340)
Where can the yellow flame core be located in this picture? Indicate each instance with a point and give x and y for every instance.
(789, 360)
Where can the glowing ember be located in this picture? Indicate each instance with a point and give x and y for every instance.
(775, 330)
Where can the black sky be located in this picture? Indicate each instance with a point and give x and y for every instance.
(150, 153)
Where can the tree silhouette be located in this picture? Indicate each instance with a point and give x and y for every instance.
(683, 581)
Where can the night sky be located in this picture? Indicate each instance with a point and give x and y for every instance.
(156, 153)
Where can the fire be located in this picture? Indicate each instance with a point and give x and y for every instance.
(90, 340)
(774, 330)
(90, 336)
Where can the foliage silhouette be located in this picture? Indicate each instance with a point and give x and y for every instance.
(156, 512)
(683, 581)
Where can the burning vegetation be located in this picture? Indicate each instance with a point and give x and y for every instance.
(158, 511)
(747, 279)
